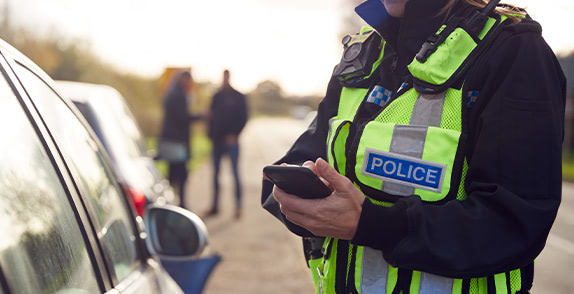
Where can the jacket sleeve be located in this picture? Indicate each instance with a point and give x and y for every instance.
(178, 108)
(513, 181)
(309, 146)
(241, 115)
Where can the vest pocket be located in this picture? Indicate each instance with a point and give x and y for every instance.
(338, 133)
(323, 269)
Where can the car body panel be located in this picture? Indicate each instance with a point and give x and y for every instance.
(148, 276)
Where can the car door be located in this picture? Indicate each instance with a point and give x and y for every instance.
(129, 269)
(44, 246)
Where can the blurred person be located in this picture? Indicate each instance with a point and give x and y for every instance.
(228, 116)
(440, 137)
(174, 139)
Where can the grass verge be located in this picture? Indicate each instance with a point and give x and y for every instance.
(200, 151)
(568, 171)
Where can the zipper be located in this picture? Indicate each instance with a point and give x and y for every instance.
(394, 64)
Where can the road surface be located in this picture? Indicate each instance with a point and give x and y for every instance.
(261, 256)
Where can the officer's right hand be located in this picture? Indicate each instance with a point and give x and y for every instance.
(334, 216)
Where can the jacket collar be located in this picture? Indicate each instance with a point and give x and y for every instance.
(407, 34)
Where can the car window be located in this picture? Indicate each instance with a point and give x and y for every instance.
(107, 206)
(121, 130)
(42, 249)
(131, 128)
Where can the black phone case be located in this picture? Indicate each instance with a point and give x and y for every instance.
(297, 180)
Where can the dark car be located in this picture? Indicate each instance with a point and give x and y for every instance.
(106, 111)
(67, 226)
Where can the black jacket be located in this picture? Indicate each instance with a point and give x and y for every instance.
(228, 114)
(176, 117)
(513, 144)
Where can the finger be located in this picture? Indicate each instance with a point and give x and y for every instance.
(327, 172)
(287, 164)
(286, 200)
(310, 165)
(302, 219)
(313, 167)
(290, 203)
(307, 222)
(296, 218)
(278, 194)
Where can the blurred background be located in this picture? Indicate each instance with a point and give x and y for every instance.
(281, 54)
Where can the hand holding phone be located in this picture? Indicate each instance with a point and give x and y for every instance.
(297, 180)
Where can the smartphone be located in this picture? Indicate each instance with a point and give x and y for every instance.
(297, 180)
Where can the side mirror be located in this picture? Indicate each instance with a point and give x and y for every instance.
(174, 233)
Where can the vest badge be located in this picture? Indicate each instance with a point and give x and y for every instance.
(405, 170)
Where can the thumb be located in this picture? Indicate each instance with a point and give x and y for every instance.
(329, 173)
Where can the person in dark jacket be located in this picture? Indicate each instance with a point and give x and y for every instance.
(481, 233)
(175, 130)
(228, 116)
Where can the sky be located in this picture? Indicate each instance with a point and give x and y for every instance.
(293, 42)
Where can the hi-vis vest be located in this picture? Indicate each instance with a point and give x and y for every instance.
(413, 146)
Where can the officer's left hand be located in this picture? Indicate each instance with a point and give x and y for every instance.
(334, 216)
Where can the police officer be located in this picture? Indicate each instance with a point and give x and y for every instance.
(441, 142)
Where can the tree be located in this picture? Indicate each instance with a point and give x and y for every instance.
(72, 60)
(267, 98)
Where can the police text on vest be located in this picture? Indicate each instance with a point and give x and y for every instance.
(403, 169)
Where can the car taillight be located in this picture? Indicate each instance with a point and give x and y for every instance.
(137, 197)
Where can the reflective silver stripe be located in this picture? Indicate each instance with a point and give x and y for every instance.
(428, 110)
(330, 131)
(433, 284)
(320, 275)
(410, 139)
(407, 140)
(374, 272)
(331, 120)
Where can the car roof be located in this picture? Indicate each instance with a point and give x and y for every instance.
(12, 52)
